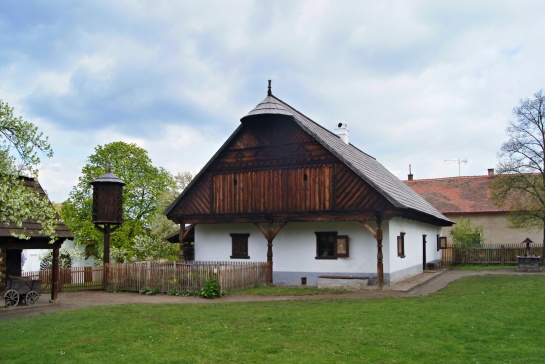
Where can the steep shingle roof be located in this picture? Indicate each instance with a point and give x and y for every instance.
(367, 167)
(457, 195)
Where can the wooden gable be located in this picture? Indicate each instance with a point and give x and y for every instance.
(273, 169)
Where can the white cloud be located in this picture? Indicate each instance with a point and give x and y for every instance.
(418, 82)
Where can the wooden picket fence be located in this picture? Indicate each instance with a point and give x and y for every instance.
(185, 276)
(167, 276)
(493, 254)
(70, 279)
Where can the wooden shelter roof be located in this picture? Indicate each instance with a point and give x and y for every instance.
(366, 167)
(32, 227)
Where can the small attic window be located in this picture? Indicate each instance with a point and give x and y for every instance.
(235, 181)
(305, 177)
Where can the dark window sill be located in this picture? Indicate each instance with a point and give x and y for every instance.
(401, 256)
(240, 257)
(326, 258)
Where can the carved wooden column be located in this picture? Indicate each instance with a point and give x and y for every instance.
(380, 257)
(270, 234)
(378, 237)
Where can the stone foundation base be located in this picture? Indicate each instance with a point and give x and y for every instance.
(342, 282)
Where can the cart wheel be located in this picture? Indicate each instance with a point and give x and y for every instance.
(32, 297)
(11, 298)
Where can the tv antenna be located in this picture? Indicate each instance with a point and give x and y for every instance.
(459, 161)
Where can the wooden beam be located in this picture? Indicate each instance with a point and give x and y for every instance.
(279, 227)
(186, 232)
(369, 228)
(262, 229)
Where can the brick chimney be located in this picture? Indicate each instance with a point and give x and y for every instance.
(410, 176)
(490, 172)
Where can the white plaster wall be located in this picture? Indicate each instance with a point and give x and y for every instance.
(213, 242)
(294, 248)
(413, 261)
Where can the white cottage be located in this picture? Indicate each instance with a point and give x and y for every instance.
(284, 189)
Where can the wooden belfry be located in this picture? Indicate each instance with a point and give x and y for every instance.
(107, 209)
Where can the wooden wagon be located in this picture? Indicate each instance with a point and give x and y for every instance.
(21, 289)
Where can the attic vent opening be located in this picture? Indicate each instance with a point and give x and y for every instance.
(305, 177)
(235, 181)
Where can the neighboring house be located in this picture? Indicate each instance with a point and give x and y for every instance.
(11, 248)
(469, 197)
(283, 184)
(33, 257)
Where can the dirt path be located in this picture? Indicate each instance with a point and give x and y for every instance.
(75, 300)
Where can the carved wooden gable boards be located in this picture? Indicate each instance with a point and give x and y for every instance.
(273, 166)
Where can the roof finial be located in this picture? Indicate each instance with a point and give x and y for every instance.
(269, 92)
(109, 168)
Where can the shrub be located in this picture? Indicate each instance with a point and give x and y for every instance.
(211, 289)
(175, 292)
(149, 291)
(466, 237)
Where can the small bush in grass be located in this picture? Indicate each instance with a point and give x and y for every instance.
(211, 289)
(149, 291)
(175, 292)
(193, 292)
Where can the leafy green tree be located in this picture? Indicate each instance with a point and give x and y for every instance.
(466, 236)
(153, 245)
(145, 184)
(20, 144)
(520, 184)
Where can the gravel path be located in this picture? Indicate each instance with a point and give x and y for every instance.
(75, 300)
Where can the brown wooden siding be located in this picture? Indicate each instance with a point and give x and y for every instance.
(293, 189)
(352, 193)
(198, 201)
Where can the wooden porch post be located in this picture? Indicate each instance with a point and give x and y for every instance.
(378, 236)
(181, 257)
(55, 276)
(106, 257)
(183, 234)
(270, 234)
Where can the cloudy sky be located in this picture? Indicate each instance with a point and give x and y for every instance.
(423, 83)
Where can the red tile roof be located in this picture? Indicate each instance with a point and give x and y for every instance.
(457, 194)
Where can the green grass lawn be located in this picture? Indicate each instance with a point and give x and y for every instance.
(484, 319)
